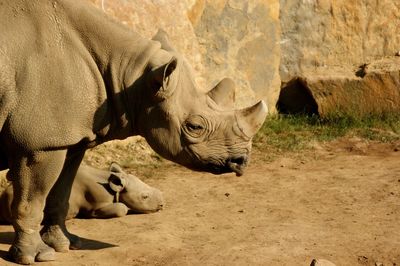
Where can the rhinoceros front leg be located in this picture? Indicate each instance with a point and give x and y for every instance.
(54, 232)
(33, 176)
(117, 209)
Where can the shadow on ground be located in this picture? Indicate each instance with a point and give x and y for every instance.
(87, 244)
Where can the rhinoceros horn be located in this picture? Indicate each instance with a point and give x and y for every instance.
(224, 93)
(250, 119)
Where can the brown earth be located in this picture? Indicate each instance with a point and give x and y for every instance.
(338, 201)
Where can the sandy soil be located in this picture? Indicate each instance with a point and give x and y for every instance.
(339, 202)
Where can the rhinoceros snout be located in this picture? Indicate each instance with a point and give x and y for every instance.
(237, 164)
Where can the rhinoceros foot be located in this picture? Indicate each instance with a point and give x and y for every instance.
(59, 238)
(28, 248)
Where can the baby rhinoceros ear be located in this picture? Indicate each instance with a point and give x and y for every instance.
(116, 181)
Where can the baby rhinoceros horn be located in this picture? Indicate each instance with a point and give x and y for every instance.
(251, 118)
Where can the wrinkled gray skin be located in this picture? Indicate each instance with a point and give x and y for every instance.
(70, 79)
(101, 194)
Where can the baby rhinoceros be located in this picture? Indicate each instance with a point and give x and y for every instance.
(106, 194)
(101, 194)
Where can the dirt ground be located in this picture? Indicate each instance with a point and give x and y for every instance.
(338, 201)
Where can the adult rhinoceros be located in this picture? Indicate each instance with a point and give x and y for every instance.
(70, 78)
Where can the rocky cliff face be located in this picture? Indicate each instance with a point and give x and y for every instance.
(240, 39)
(336, 34)
(339, 56)
(220, 38)
(146, 17)
(258, 43)
(372, 88)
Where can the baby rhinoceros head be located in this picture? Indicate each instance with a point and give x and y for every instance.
(197, 129)
(134, 193)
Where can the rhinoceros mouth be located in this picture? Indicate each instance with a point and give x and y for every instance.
(236, 168)
(236, 165)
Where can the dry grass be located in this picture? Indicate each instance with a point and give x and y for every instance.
(133, 154)
(294, 133)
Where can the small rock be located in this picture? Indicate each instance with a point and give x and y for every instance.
(362, 259)
(321, 262)
(241, 211)
(362, 70)
(397, 53)
(378, 264)
(227, 194)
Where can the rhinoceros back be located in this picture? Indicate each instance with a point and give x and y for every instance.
(64, 58)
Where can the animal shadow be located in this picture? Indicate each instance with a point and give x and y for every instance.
(6, 238)
(87, 244)
(4, 256)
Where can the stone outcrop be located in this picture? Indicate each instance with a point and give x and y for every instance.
(146, 17)
(240, 39)
(325, 46)
(372, 88)
(330, 34)
(318, 44)
(220, 38)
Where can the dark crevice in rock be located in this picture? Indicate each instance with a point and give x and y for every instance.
(296, 98)
(362, 71)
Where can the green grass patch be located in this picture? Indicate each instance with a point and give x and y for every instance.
(295, 132)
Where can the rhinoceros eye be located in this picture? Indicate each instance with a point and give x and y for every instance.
(194, 127)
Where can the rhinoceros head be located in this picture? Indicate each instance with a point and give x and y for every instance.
(193, 128)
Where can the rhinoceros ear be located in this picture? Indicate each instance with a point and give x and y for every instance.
(117, 182)
(224, 93)
(162, 37)
(251, 118)
(159, 79)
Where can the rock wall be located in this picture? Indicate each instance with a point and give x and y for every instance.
(240, 39)
(146, 17)
(374, 88)
(336, 34)
(262, 44)
(220, 38)
(341, 54)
